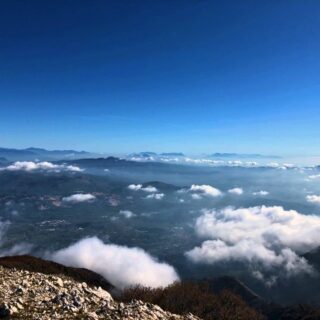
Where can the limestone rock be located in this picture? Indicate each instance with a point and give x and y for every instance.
(33, 295)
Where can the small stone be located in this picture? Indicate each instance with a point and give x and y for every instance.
(19, 306)
(59, 282)
(4, 310)
(93, 316)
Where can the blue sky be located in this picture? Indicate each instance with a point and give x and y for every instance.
(196, 76)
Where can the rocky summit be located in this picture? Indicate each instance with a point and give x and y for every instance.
(33, 295)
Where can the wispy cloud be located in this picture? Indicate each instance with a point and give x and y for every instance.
(156, 196)
(237, 191)
(260, 193)
(127, 213)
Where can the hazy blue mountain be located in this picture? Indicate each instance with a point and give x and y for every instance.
(110, 162)
(172, 154)
(3, 161)
(242, 155)
(148, 154)
(143, 154)
(32, 154)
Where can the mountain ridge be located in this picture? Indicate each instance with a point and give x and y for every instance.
(55, 275)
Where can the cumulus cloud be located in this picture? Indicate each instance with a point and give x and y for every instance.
(260, 193)
(237, 191)
(120, 265)
(149, 189)
(44, 166)
(265, 236)
(127, 213)
(212, 251)
(313, 199)
(205, 190)
(79, 197)
(157, 196)
(136, 187)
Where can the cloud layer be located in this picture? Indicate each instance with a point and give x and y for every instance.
(264, 236)
(120, 265)
(43, 166)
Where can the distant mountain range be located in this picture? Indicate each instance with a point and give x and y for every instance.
(148, 154)
(217, 155)
(32, 154)
(243, 155)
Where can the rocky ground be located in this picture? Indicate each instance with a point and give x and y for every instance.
(32, 295)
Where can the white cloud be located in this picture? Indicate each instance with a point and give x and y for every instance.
(237, 191)
(127, 213)
(120, 265)
(313, 199)
(212, 251)
(136, 187)
(314, 177)
(260, 193)
(157, 196)
(205, 190)
(44, 166)
(149, 189)
(71, 168)
(266, 236)
(79, 197)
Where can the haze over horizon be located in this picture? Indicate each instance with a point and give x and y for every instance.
(190, 76)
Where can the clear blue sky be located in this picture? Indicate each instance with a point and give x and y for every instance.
(167, 75)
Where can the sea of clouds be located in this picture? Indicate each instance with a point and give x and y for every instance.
(31, 166)
(263, 237)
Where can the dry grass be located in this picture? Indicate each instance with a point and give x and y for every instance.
(181, 298)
